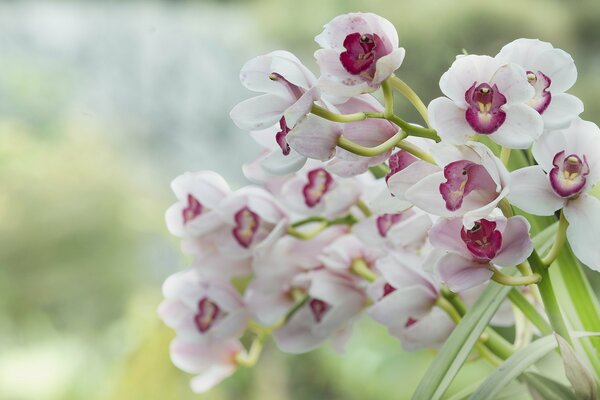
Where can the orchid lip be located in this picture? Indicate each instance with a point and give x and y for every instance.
(208, 313)
(542, 98)
(247, 223)
(399, 161)
(318, 308)
(193, 209)
(483, 240)
(319, 183)
(569, 175)
(280, 137)
(462, 177)
(386, 221)
(484, 113)
(362, 53)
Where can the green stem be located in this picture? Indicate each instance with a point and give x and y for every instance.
(355, 148)
(532, 314)
(379, 171)
(360, 268)
(364, 208)
(515, 280)
(416, 151)
(335, 117)
(559, 241)
(548, 297)
(388, 98)
(414, 130)
(410, 95)
(505, 155)
(249, 358)
(506, 208)
(308, 220)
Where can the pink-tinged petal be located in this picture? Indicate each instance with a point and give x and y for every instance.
(211, 377)
(296, 336)
(449, 120)
(429, 331)
(410, 230)
(332, 73)
(465, 71)
(563, 109)
(207, 186)
(583, 232)
(195, 356)
(336, 31)
(425, 195)
(530, 190)
(315, 138)
(301, 107)
(291, 68)
(384, 202)
(347, 168)
(581, 138)
(172, 312)
(516, 243)
(512, 83)
(395, 308)
(560, 67)
(259, 112)
(445, 235)
(399, 182)
(523, 125)
(460, 273)
(278, 164)
(255, 74)
(386, 65)
(402, 270)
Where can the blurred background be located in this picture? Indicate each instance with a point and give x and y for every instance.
(103, 103)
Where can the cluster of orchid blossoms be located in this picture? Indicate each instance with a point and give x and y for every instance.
(356, 210)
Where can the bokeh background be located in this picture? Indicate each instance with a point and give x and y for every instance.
(103, 103)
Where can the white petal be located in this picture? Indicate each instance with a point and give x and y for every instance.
(211, 377)
(512, 83)
(315, 138)
(583, 232)
(523, 125)
(449, 121)
(278, 164)
(563, 109)
(516, 243)
(530, 190)
(559, 66)
(445, 235)
(402, 180)
(460, 273)
(386, 65)
(522, 51)
(259, 112)
(464, 72)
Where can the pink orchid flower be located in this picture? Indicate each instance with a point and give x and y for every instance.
(488, 97)
(473, 253)
(551, 72)
(405, 300)
(471, 184)
(358, 52)
(569, 166)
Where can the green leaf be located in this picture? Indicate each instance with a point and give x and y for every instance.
(517, 364)
(577, 372)
(544, 388)
(578, 300)
(457, 348)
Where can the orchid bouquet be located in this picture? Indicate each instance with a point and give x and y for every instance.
(433, 230)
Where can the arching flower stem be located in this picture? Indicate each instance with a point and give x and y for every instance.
(410, 95)
(559, 241)
(515, 280)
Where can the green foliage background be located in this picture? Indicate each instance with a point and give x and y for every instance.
(91, 137)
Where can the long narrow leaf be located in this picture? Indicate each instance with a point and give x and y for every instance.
(547, 389)
(517, 364)
(455, 351)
